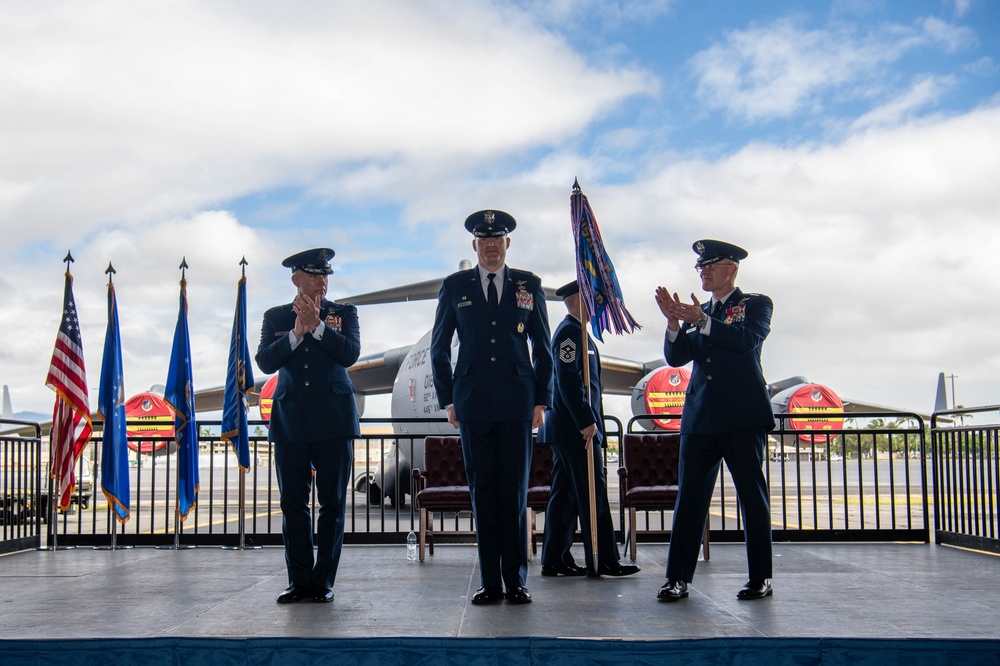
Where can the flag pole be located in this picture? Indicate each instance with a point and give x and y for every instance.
(243, 474)
(53, 500)
(53, 514)
(591, 488)
(242, 511)
(111, 509)
(600, 293)
(110, 414)
(177, 472)
(177, 508)
(235, 405)
(176, 545)
(54, 504)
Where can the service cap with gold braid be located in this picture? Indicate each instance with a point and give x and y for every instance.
(710, 251)
(490, 224)
(316, 261)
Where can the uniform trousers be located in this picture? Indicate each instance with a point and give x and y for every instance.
(701, 458)
(497, 457)
(569, 498)
(333, 461)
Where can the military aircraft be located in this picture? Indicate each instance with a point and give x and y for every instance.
(655, 389)
(405, 373)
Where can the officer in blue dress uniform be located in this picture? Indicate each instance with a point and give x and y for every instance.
(310, 343)
(727, 414)
(496, 393)
(576, 417)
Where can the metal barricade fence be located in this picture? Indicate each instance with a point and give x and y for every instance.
(843, 484)
(851, 483)
(966, 456)
(23, 496)
(379, 505)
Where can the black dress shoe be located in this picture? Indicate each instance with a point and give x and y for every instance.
(487, 595)
(673, 590)
(755, 589)
(518, 595)
(563, 570)
(617, 569)
(322, 595)
(293, 594)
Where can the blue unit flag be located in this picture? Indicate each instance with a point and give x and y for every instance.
(180, 396)
(595, 273)
(111, 404)
(239, 381)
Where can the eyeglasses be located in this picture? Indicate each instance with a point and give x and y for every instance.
(712, 267)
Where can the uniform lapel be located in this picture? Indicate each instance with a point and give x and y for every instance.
(475, 292)
(508, 288)
(733, 299)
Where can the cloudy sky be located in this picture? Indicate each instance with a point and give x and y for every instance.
(852, 146)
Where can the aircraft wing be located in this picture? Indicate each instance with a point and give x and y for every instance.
(860, 407)
(620, 375)
(418, 291)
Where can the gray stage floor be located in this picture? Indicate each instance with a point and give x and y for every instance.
(821, 590)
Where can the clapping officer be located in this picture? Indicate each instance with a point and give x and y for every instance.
(310, 343)
(727, 414)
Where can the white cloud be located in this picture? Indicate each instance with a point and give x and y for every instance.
(126, 128)
(962, 7)
(605, 13)
(782, 68)
(923, 93)
(875, 250)
(952, 37)
(121, 112)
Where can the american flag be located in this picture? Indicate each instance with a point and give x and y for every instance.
(71, 424)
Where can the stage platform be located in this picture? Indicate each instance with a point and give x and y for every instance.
(825, 596)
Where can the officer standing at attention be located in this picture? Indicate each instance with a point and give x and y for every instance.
(310, 343)
(497, 393)
(576, 417)
(726, 416)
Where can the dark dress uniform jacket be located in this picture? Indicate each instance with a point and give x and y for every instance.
(314, 398)
(727, 390)
(570, 413)
(494, 379)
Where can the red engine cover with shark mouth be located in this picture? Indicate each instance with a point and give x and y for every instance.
(825, 408)
(266, 398)
(664, 394)
(157, 421)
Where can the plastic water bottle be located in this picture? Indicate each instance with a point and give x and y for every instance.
(411, 546)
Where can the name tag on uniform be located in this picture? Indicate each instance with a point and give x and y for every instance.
(464, 304)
